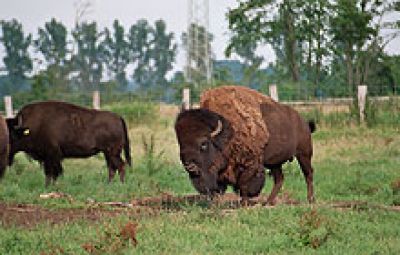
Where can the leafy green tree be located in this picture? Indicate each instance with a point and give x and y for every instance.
(17, 60)
(89, 58)
(251, 61)
(271, 22)
(116, 52)
(356, 31)
(314, 26)
(139, 43)
(52, 44)
(163, 52)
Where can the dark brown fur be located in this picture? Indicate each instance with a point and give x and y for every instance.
(51, 131)
(213, 169)
(290, 136)
(4, 145)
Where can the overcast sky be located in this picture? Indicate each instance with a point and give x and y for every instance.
(34, 13)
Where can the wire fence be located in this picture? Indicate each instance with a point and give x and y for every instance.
(300, 95)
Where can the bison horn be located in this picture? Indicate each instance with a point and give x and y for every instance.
(217, 130)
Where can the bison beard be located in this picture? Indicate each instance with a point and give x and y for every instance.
(217, 159)
(51, 131)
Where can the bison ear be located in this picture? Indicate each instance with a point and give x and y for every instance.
(222, 132)
(11, 123)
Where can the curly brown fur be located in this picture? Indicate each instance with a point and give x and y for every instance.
(262, 133)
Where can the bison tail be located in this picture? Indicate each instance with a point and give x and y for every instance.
(312, 126)
(127, 148)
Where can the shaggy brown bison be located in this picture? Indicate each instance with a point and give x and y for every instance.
(51, 131)
(236, 133)
(4, 144)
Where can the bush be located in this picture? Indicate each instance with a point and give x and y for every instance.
(135, 112)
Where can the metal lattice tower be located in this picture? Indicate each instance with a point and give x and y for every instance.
(198, 47)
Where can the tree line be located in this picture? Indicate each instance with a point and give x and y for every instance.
(322, 48)
(87, 58)
(324, 43)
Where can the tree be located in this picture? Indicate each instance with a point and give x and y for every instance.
(116, 52)
(52, 44)
(251, 61)
(356, 30)
(139, 43)
(272, 22)
(17, 60)
(163, 52)
(89, 58)
(314, 25)
(198, 44)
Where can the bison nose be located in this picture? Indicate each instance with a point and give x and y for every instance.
(191, 167)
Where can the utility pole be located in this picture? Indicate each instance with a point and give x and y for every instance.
(198, 48)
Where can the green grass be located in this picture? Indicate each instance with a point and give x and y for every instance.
(350, 162)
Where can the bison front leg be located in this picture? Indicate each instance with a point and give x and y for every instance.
(277, 174)
(250, 183)
(52, 169)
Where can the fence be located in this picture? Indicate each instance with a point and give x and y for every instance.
(95, 99)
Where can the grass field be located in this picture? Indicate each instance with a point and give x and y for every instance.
(351, 162)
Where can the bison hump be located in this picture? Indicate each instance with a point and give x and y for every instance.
(241, 107)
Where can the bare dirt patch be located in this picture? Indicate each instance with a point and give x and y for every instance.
(29, 215)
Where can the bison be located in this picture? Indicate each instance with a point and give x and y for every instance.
(235, 135)
(4, 145)
(50, 131)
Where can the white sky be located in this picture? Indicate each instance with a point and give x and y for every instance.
(34, 13)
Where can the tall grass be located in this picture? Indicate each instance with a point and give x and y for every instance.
(136, 112)
(385, 113)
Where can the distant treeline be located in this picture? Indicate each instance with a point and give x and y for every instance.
(323, 48)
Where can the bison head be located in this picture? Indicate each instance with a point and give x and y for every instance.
(202, 135)
(17, 133)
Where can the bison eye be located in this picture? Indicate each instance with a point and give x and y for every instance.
(203, 146)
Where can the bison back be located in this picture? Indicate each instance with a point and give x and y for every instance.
(241, 107)
(74, 131)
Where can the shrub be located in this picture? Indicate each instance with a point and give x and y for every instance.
(135, 112)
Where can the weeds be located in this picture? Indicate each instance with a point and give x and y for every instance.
(314, 229)
(395, 185)
(153, 161)
(135, 112)
(114, 240)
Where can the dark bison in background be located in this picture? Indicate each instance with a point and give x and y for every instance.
(235, 135)
(4, 145)
(51, 131)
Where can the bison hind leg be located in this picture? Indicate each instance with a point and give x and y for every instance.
(114, 163)
(308, 171)
(121, 168)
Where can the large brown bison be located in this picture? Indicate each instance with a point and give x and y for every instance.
(235, 135)
(4, 145)
(51, 131)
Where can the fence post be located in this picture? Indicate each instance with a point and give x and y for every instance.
(362, 94)
(186, 99)
(273, 92)
(8, 107)
(96, 100)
